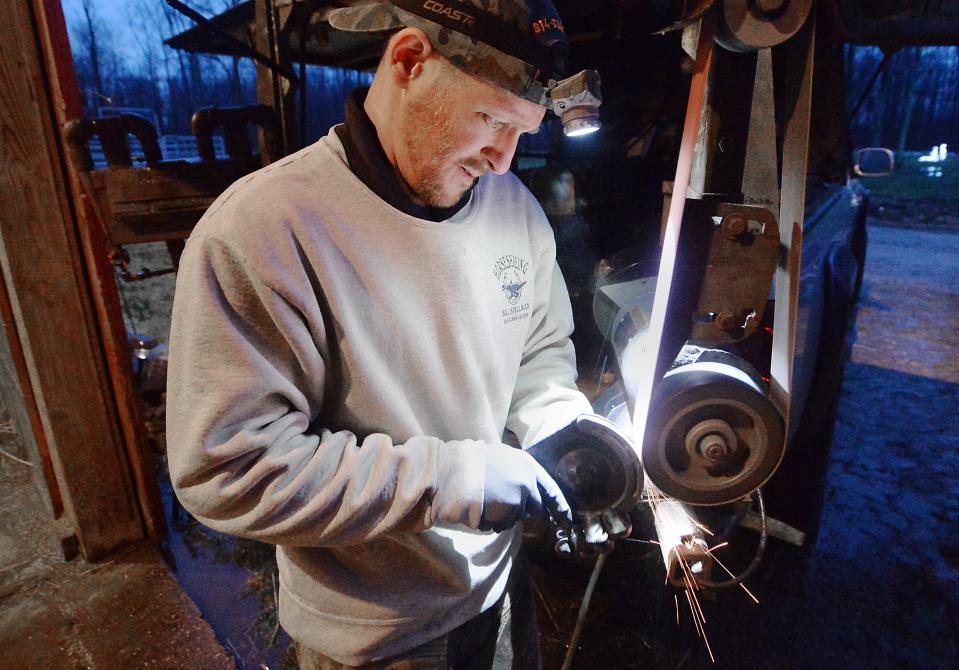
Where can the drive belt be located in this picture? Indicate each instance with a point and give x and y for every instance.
(641, 394)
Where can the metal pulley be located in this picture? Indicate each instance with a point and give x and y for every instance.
(748, 25)
(712, 435)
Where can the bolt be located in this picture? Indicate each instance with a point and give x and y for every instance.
(713, 447)
(726, 322)
(771, 6)
(713, 440)
(734, 225)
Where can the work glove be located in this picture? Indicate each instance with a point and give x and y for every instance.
(515, 487)
(599, 472)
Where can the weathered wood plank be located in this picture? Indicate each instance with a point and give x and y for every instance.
(17, 395)
(51, 300)
(163, 202)
(64, 93)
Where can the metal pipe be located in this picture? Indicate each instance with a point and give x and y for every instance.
(681, 540)
(583, 609)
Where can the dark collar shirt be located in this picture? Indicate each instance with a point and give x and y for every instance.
(369, 163)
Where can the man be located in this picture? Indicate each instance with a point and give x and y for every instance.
(356, 327)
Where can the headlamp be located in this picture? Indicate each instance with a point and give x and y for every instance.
(576, 101)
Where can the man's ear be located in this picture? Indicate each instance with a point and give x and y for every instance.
(406, 52)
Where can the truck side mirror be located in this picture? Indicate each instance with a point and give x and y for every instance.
(874, 162)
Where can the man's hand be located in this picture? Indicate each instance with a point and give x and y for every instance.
(595, 534)
(597, 468)
(515, 487)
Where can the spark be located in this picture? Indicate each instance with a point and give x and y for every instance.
(684, 547)
(691, 585)
(695, 523)
(709, 649)
(730, 573)
(692, 612)
(699, 621)
(681, 540)
(542, 600)
(656, 498)
(699, 618)
(700, 630)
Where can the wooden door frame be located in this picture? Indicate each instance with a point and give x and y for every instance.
(66, 327)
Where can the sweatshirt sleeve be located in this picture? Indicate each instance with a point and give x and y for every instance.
(546, 398)
(246, 384)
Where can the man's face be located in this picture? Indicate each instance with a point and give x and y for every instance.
(454, 128)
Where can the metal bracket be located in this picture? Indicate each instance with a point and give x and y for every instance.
(273, 65)
(735, 247)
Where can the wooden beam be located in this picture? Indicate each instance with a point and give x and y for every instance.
(272, 89)
(57, 61)
(50, 293)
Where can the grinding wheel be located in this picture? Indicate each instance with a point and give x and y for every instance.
(748, 25)
(594, 465)
(712, 435)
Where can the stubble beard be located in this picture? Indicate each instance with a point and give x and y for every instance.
(425, 124)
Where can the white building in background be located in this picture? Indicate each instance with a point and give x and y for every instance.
(936, 155)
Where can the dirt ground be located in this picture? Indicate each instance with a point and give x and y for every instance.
(124, 612)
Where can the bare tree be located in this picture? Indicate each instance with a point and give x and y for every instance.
(908, 92)
(914, 104)
(143, 18)
(232, 66)
(89, 40)
(93, 49)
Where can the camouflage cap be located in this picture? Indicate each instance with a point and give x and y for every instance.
(518, 45)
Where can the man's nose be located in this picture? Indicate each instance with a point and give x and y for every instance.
(499, 152)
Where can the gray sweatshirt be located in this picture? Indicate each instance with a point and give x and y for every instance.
(337, 368)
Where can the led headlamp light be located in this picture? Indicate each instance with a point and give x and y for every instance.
(576, 101)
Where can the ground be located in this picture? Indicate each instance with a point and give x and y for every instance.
(124, 612)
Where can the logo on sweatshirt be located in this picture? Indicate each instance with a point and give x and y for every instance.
(511, 271)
